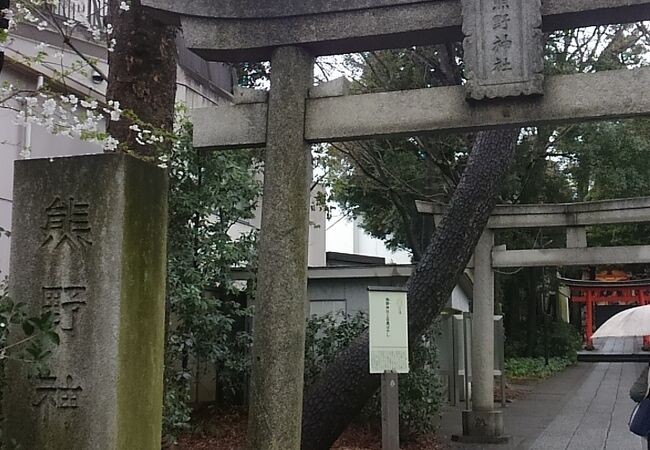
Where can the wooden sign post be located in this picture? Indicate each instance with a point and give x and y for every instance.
(389, 354)
(389, 411)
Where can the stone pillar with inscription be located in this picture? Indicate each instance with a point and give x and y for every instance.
(89, 245)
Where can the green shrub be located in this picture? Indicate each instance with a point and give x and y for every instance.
(564, 341)
(326, 336)
(535, 367)
(560, 340)
(39, 334)
(38, 339)
(420, 390)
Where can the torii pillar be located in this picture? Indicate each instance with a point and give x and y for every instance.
(483, 423)
(280, 306)
(504, 53)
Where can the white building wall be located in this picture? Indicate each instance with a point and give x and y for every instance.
(194, 94)
(347, 236)
(9, 138)
(26, 40)
(459, 300)
(317, 230)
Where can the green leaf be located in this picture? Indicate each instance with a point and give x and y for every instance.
(28, 327)
(53, 337)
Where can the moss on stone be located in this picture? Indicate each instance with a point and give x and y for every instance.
(142, 306)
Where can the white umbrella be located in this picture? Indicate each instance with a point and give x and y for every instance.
(631, 322)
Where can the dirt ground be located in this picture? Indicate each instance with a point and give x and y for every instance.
(228, 432)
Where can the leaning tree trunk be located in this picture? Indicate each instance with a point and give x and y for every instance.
(342, 390)
(142, 74)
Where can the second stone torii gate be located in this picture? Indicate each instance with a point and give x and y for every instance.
(574, 217)
(504, 48)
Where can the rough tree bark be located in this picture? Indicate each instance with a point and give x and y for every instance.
(342, 390)
(142, 74)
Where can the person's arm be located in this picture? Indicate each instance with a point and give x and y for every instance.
(640, 387)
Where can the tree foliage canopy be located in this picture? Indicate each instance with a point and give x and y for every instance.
(378, 181)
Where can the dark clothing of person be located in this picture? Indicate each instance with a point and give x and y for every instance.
(639, 389)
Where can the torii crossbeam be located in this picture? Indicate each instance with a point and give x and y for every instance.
(246, 30)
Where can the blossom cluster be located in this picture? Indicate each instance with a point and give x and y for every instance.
(51, 15)
(68, 115)
(146, 137)
(64, 113)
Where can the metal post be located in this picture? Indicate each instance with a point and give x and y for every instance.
(466, 350)
(502, 366)
(389, 411)
(502, 383)
(453, 367)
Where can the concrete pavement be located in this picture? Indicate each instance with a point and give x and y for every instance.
(586, 407)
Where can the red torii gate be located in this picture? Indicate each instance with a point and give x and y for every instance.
(593, 292)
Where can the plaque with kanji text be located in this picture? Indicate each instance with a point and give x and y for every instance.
(503, 48)
(388, 330)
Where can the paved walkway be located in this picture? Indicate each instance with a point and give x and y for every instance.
(586, 407)
(622, 349)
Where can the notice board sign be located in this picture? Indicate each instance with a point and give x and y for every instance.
(388, 323)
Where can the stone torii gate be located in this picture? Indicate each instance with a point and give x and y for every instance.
(574, 217)
(503, 41)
